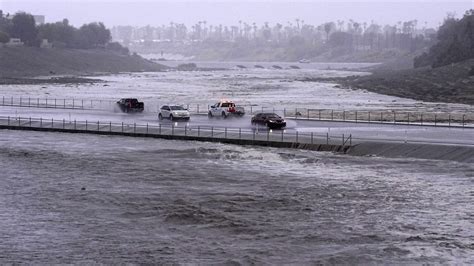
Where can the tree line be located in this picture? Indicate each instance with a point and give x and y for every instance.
(347, 35)
(22, 25)
(455, 43)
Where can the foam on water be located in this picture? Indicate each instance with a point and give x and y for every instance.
(67, 198)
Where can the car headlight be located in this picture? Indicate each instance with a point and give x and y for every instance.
(271, 121)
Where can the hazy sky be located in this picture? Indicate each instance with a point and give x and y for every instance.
(156, 12)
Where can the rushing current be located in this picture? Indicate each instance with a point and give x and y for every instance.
(86, 199)
(72, 198)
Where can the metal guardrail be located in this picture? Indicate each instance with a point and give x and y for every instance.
(172, 130)
(206, 132)
(442, 119)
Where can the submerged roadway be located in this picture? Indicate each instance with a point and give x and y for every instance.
(359, 131)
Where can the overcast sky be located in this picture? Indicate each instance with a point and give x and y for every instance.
(229, 12)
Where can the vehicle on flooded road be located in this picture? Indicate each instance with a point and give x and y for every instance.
(270, 120)
(226, 108)
(174, 112)
(130, 105)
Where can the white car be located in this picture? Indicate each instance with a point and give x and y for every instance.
(173, 112)
(225, 108)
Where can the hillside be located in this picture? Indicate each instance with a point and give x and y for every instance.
(31, 61)
(452, 83)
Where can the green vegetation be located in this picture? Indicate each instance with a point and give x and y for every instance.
(455, 43)
(61, 34)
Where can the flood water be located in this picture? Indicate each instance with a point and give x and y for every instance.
(72, 198)
(67, 198)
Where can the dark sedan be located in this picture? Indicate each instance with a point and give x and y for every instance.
(271, 120)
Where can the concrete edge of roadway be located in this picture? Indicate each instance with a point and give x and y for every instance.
(459, 153)
(276, 144)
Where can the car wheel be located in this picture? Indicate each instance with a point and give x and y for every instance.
(160, 117)
(209, 114)
(171, 117)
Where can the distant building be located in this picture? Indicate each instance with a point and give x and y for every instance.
(46, 44)
(39, 19)
(14, 42)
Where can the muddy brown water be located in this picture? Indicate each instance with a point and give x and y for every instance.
(67, 198)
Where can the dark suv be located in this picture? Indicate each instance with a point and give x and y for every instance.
(128, 105)
(271, 120)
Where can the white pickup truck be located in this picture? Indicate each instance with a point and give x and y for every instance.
(225, 108)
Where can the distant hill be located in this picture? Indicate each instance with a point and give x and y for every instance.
(452, 83)
(455, 43)
(32, 61)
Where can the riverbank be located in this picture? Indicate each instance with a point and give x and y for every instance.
(19, 64)
(451, 84)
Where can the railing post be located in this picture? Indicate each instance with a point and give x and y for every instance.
(30, 121)
(319, 114)
(307, 110)
(41, 122)
(19, 121)
(463, 120)
(212, 132)
(37, 102)
(282, 135)
(251, 109)
(343, 142)
(284, 111)
(332, 115)
(172, 129)
(147, 128)
(122, 127)
(408, 114)
(64, 103)
(356, 116)
(134, 128)
(72, 103)
(449, 120)
(8, 120)
(29, 100)
(369, 116)
(86, 125)
(225, 132)
(296, 113)
(343, 115)
(240, 133)
(64, 124)
(394, 117)
(74, 124)
(199, 131)
(46, 102)
(185, 130)
(381, 117)
(311, 137)
(82, 104)
(296, 136)
(435, 120)
(54, 102)
(198, 108)
(421, 118)
(159, 129)
(254, 135)
(98, 125)
(327, 138)
(110, 126)
(20, 101)
(268, 135)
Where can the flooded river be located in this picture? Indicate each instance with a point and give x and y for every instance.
(67, 198)
(83, 199)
